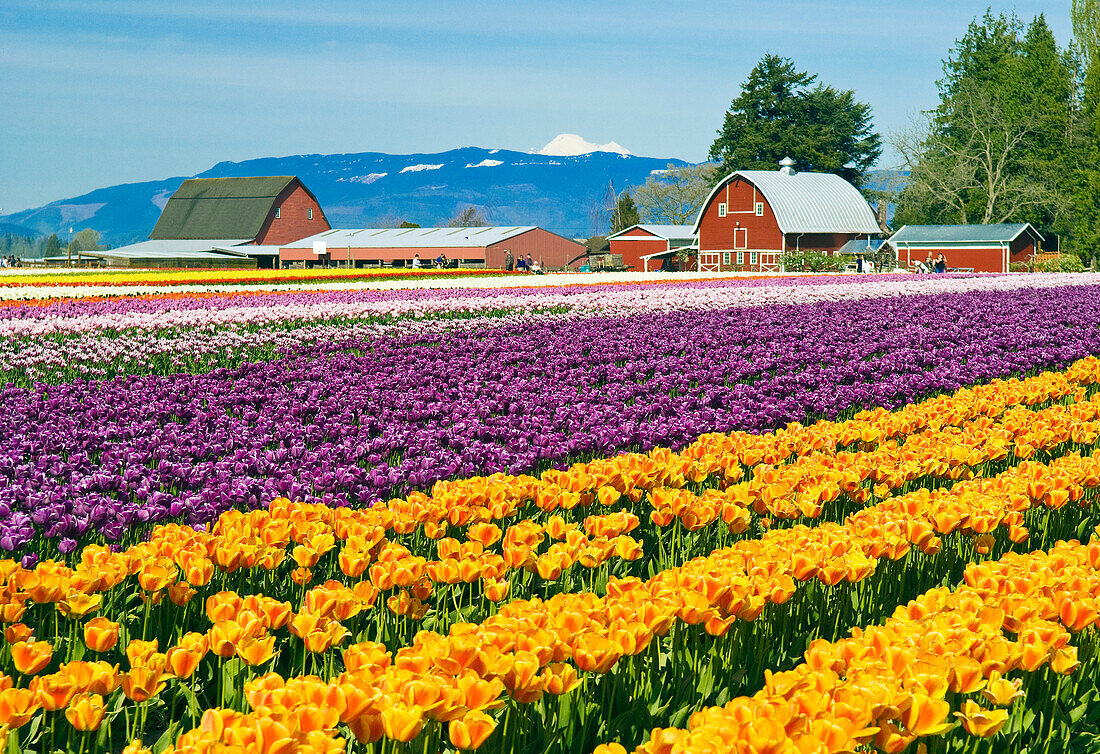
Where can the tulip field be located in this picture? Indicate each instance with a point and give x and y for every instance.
(793, 515)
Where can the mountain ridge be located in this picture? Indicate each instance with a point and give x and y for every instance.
(562, 193)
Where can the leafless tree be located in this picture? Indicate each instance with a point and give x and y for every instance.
(468, 217)
(675, 195)
(971, 168)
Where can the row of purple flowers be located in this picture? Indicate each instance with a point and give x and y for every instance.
(356, 421)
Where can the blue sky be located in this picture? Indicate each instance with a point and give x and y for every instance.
(99, 92)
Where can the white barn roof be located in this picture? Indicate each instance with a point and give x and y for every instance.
(170, 248)
(397, 238)
(668, 232)
(807, 202)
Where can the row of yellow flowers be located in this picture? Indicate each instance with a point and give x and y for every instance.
(539, 645)
(942, 661)
(225, 277)
(734, 583)
(535, 647)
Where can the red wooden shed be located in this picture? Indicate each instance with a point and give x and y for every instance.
(396, 247)
(753, 216)
(639, 244)
(969, 248)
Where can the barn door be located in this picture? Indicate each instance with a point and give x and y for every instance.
(769, 261)
(709, 261)
(740, 238)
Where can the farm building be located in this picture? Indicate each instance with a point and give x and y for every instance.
(225, 222)
(215, 253)
(753, 216)
(466, 247)
(644, 246)
(970, 248)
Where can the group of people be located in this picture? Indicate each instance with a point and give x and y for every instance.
(521, 263)
(439, 262)
(938, 264)
(10, 261)
(865, 266)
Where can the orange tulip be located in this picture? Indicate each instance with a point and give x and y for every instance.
(85, 712)
(257, 651)
(181, 593)
(495, 591)
(926, 715)
(157, 576)
(142, 684)
(981, 722)
(100, 634)
(367, 728)
(31, 657)
(53, 691)
(18, 632)
(560, 678)
(1000, 691)
(17, 707)
(181, 662)
(224, 637)
(1064, 660)
(402, 722)
(471, 730)
(77, 603)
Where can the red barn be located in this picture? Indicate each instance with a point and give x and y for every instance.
(640, 245)
(968, 248)
(753, 216)
(469, 247)
(243, 217)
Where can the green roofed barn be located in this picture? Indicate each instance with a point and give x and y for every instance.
(226, 222)
(266, 210)
(971, 248)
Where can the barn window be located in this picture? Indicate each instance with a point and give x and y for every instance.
(760, 209)
(752, 257)
(278, 212)
(726, 258)
(721, 209)
(309, 213)
(740, 257)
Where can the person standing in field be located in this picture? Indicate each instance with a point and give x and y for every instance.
(416, 261)
(509, 260)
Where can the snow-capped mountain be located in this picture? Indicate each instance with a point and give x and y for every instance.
(571, 145)
(563, 190)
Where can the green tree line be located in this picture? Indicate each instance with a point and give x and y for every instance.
(25, 247)
(1016, 134)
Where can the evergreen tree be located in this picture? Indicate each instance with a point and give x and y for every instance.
(998, 148)
(625, 214)
(1085, 236)
(780, 113)
(53, 246)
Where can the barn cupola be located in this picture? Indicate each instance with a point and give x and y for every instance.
(786, 166)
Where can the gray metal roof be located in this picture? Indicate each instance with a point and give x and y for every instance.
(941, 234)
(250, 250)
(807, 202)
(669, 232)
(117, 254)
(168, 248)
(862, 246)
(396, 238)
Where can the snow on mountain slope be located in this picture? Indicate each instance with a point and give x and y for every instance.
(559, 192)
(571, 145)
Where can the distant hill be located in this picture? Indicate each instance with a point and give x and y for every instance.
(562, 187)
(560, 192)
